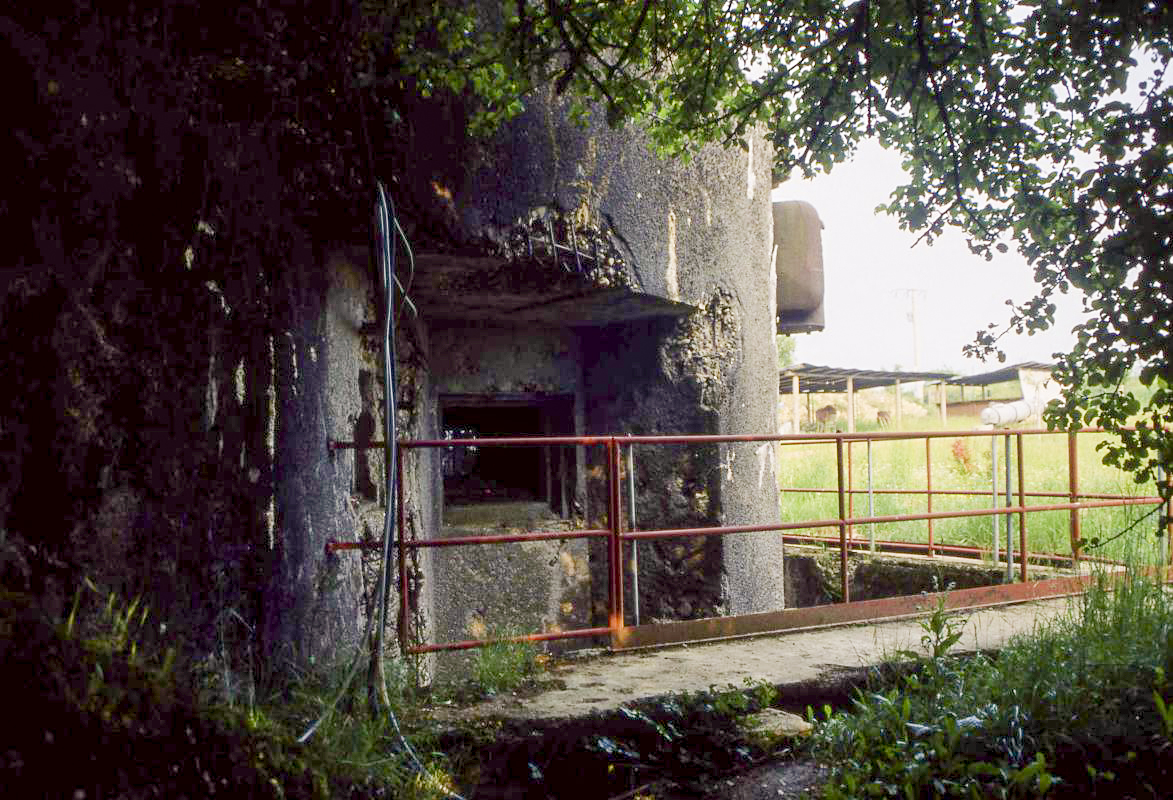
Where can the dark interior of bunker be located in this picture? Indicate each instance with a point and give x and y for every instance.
(475, 474)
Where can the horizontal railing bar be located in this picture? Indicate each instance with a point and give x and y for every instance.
(967, 493)
(455, 541)
(672, 533)
(800, 438)
(530, 637)
(968, 550)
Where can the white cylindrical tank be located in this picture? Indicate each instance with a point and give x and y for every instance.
(1006, 413)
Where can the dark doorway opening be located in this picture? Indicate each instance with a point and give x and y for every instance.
(508, 473)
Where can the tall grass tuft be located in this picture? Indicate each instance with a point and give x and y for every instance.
(1076, 708)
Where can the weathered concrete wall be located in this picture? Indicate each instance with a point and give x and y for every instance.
(494, 359)
(697, 237)
(171, 442)
(535, 586)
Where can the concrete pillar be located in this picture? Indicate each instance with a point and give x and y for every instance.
(899, 404)
(941, 386)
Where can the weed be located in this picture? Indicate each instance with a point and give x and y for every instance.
(504, 665)
(1080, 703)
(962, 458)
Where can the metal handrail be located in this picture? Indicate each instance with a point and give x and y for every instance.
(1075, 502)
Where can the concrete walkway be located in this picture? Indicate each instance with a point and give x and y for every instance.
(603, 682)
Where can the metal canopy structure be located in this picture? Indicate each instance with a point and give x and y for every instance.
(810, 379)
(1000, 375)
(815, 379)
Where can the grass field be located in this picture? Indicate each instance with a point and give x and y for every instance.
(964, 464)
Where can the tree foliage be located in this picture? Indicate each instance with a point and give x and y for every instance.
(1013, 120)
(133, 128)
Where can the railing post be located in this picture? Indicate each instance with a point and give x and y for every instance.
(871, 502)
(404, 584)
(1022, 503)
(929, 488)
(994, 491)
(1073, 494)
(614, 525)
(1009, 517)
(842, 520)
(631, 527)
(850, 492)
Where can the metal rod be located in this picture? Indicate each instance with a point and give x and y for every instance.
(960, 493)
(1009, 517)
(842, 523)
(958, 550)
(994, 482)
(1073, 494)
(1022, 552)
(615, 525)
(631, 526)
(871, 502)
(850, 493)
(563, 476)
(404, 584)
(794, 438)
(671, 533)
(530, 637)
(929, 490)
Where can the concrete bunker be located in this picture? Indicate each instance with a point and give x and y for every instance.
(567, 281)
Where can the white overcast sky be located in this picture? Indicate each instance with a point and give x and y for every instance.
(869, 265)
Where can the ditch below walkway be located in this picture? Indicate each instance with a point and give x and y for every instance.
(592, 724)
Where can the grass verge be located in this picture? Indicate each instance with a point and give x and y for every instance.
(106, 712)
(1079, 708)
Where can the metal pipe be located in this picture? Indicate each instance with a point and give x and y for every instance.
(842, 523)
(957, 550)
(994, 482)
(631, 526)
(1073, 493)
(671, 533)
(963, 493)
(850, 491)
(404, 586)
(615, 565)
(871, 502)
(458, 541)
(1022, 502)
(563, 477)
(929, 490)
(538, 441)
(1009, 517)
(529, 637)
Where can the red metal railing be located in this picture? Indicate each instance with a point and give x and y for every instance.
(843, 522)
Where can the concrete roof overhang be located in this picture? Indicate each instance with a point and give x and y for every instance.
(488, 289)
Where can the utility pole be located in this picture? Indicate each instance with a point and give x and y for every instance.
(911, 294)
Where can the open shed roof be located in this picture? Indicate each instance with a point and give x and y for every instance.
(1000, 375)
(813, 378)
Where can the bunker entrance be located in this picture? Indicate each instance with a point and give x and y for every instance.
(508, 474)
